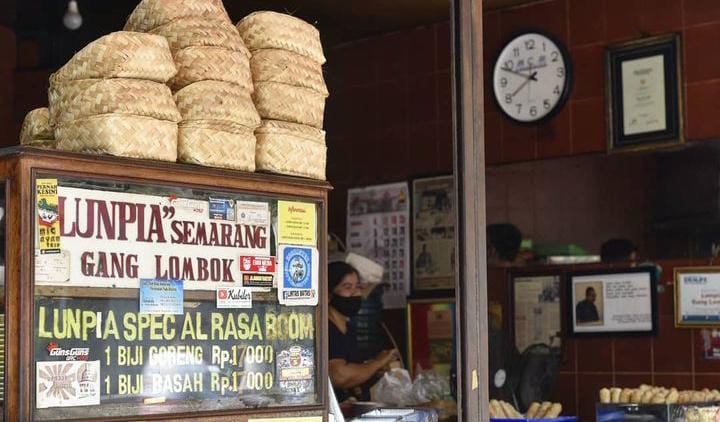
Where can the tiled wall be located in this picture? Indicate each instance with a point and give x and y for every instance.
(586, 27)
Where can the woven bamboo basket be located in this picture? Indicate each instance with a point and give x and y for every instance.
(89, 97)
(220, 101)
(150, 14)
(261, 30)
(120, 55)
(121, 135)
(36, 130)
(194, 32)
(197, 64)
(275, 101)
(289, 68)
(215, 144)
(293, 149)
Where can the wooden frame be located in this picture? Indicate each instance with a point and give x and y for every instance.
(695, 322)
(469, 170)
(21, 164)
(670, 48)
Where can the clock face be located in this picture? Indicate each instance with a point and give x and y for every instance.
(531, 78)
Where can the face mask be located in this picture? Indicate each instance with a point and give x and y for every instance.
(348, 306)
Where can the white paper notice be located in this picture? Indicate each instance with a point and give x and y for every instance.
(379, 228)
(63, 384)
(537, 311)
(643, 82)
(699, 297)
(234, 297)
(52, 267)
(612, 302)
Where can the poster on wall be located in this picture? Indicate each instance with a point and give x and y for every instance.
(433, 233)
(378, 228)
(536, 308)
(431, 330)
(619, 301)
(697, 297)
(113, 239)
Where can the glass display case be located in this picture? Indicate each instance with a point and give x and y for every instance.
(145, 290)
(687, 412)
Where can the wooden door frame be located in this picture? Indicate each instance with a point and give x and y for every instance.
(469, 170)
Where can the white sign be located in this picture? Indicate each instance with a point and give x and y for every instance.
(612, 302)
(643, 82)
(698, 297)
(234, 297)
(113, 239)
(63, 384)
(52, 267)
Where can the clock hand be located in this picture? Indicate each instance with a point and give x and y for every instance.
(514, 72)
(527, 81)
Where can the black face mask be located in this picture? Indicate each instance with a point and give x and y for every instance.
(348, 306)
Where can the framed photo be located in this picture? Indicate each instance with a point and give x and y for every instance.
(537, 313)
(431, 334)
(697, 297)
(612, 302)
(433, 233)
(644, 94)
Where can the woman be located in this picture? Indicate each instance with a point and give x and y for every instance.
(347, 371)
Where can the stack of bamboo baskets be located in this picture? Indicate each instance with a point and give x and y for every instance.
(111, 98)
(289, 94)
(213, 85)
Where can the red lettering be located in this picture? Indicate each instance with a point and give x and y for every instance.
(86, 266)
(226, 232)
(155, 225)
(202, 269)
(159, 273)
(104, 221)
(127, 215)
(227, 272)
(215, 269)
(187, 271)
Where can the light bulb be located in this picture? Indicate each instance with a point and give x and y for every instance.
(72, 19)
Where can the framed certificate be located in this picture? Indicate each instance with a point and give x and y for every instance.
(612, 302)
(697, 297)
(644, 94)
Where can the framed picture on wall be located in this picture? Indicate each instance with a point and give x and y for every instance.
(433, 233)
(612, 302)
(537, 313)
(697, 297)
(431, 334)
(644, 94)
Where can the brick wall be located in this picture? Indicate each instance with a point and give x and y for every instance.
(586, 27)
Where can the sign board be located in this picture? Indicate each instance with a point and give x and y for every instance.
(697, 297)
(205, 353)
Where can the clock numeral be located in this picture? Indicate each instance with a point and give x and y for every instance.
(508, 98)
(556, 90)
(516, 52)
(546, 104)
(509, 64)
(543, 46)
(554, 56)
(533, 111)
(529, 62)
(519, 106)
(560, 72)
(529, 44)
(503, 82)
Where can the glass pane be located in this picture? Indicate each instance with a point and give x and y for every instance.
(131, 284)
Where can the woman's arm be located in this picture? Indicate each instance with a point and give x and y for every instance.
(348, 375)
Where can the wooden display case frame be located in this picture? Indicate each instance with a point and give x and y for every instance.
(19, 167)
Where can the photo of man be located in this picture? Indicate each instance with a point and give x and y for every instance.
(588, 308)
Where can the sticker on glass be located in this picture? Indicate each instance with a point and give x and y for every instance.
(296, 370)
(63, 384)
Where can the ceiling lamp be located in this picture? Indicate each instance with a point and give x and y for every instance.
(72, 19)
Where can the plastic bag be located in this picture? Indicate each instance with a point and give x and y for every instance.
(429, 386)
(395, 388)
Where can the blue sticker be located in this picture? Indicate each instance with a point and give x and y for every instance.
(161, 296)
(222, 209)
(297, 268)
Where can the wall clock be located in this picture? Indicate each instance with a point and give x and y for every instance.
(532, 77)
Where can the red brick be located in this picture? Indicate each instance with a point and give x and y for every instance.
(588, 387)
(588, 126)
(659, 16)
(595, 355)
(700, 11)
(391, 56)
(423, 148)
(444, 95)
(493, 138)
(396, 159)
(700, 61)
(8, 48)
(443, 42)
(445, 146)
(553, 137)
(28, 54)
(622, 19)
(391, 108)
(703, 108)
(546, 16)
(565, 393)
(357, 63)
(421, 98)
(587, 21)
(518, 141)
(421, 50)
(679, 381)
(588, 71)
(672, 347)
(340, 159)
(632, 354)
